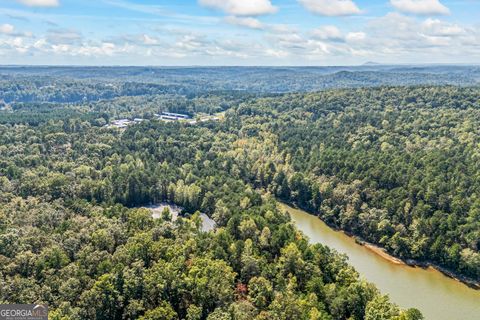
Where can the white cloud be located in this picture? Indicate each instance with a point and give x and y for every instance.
(327, 33)
(245, 22)
(292, 41)
(355, 36)
(17, 44)
(241, 7)
(276, 53)
(149, 41)
(40, 3)
(191, 42)
(395, 26)
(87, 50)
(62, 48)
(6, 28)
(440, 28)
(332, 34)
(420, 7)
(105, 49)
(407, 29)
(397, 37)
(40, 44)
(331, 7)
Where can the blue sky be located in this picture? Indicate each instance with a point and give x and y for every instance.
(238, 32)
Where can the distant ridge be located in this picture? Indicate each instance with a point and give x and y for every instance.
(371, 63)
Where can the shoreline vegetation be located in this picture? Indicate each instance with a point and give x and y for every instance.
(416, 264)
(382, 252)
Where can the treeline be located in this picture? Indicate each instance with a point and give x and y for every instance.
(27, 90)
(34, 114)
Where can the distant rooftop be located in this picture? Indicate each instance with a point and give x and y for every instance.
(177, 115)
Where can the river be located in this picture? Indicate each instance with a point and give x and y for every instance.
(437, 296)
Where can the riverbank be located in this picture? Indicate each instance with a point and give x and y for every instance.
(382, 252)
(425, 265)
(417, 264)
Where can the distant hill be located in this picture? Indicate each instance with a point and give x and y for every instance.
(371, 63)
(81, 84)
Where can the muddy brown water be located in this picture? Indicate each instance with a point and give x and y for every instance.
(437, 296)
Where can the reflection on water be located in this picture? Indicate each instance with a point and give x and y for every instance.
(437, 296)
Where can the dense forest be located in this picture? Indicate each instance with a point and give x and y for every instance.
(72, 237)
(396, 166)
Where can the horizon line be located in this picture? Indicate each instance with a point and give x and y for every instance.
(367, 64)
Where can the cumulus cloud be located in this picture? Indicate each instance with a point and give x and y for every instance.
(17, 44)
(436, 27)
(6, 28)
(395, 25)
(291, 41)
(247, 22)
(327, 33)
(407, 37)
(84, 49)
(331, 33)
(391, 38)
(149, 41)
(276, 53)
(40, 3)
(408, 29)
(331, 7)
(355, 36)
(241, 7)
(105, 48)
(420, 7)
